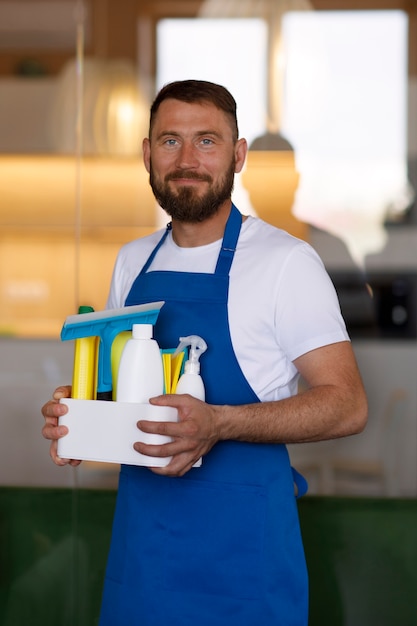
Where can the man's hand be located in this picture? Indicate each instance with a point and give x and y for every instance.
(193, 435)
(51, 411)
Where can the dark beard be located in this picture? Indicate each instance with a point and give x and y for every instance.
(186, 205)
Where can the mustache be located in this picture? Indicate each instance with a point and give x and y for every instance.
(188, 174)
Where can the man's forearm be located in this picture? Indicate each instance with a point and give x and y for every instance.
(314, 415)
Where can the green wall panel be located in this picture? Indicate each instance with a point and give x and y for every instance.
(53, 551)
(361, 554)
(362, 560)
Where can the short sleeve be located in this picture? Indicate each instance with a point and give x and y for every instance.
(308, 314)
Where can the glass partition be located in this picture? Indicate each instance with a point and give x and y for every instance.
(69, 200)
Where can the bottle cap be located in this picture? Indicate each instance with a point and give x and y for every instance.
(142, 331)
(197, 347)
(85, 309)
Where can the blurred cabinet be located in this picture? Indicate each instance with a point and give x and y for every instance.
(56, 253)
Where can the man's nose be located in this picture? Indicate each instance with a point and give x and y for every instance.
(187, 156)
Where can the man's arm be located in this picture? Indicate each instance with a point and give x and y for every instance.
(334, 405)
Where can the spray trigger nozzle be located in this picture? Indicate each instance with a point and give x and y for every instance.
(197, 347)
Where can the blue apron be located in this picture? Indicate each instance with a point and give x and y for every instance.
(220, 546)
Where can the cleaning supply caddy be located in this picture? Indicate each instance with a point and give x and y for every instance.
(130, 360)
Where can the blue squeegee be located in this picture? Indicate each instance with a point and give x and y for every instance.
(106, 325)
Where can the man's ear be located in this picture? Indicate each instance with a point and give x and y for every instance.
(146, 154)
(241, 149)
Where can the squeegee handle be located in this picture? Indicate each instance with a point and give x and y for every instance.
(104, 376)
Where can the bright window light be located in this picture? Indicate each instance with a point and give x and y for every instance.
(345, 113)
(228, 51)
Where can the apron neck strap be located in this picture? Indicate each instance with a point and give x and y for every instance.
(230, 237)
(229, 243)
(155, 250)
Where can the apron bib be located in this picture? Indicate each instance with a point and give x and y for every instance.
(220, 546)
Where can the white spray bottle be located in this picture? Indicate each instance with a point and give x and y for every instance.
(191, 381)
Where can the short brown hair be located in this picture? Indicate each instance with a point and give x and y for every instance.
(198, 91)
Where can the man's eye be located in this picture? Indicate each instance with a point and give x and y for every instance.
(171, 142)
(206, 142)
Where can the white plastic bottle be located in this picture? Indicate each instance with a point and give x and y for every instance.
(140, 375)
(191, 382)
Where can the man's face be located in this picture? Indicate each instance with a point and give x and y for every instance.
(192, 159)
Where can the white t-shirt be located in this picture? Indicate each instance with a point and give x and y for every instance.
(281, 305)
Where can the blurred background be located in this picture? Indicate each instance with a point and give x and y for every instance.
(327, 98)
